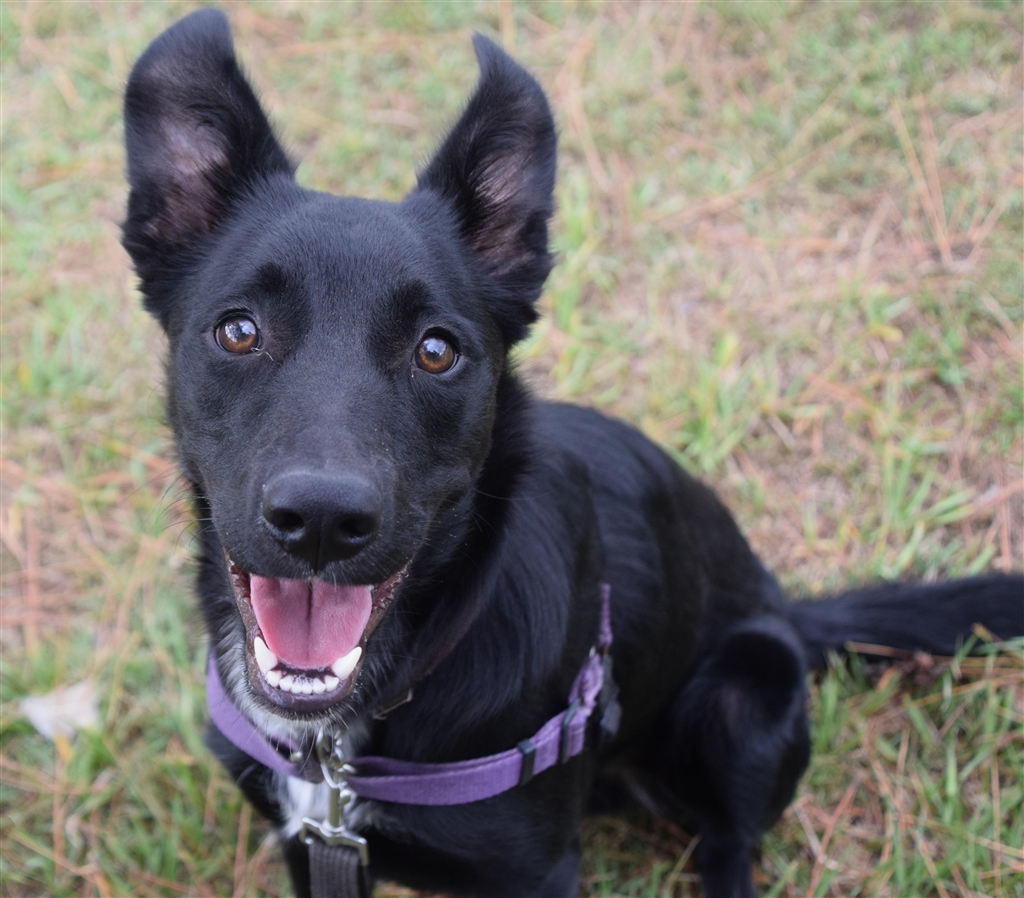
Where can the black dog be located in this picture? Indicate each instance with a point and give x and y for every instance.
(387, 513)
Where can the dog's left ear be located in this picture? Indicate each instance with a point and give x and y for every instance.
(496, 169)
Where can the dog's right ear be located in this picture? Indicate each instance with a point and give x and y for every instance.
(196, 139)
(496, 172)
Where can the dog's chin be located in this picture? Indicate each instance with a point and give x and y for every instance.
(296, 690)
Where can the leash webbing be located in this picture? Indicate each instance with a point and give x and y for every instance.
(335, 871)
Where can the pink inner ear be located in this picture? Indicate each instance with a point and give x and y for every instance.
(309, 624)
(198, 162)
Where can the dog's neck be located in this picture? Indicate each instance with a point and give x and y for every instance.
(456, 561)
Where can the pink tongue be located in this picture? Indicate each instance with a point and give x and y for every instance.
(308, 623)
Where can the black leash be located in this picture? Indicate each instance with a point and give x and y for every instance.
(336, 871)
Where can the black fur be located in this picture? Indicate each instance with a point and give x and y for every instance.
(509, 512)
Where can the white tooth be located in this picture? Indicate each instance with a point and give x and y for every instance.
(347, 663)
(265, 658)
(306, 687)
(319, 687)
(331, 682)
(273, 677)
(286, 682)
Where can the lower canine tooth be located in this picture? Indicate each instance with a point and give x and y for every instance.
(347, 663)
(331, 682)
(273, 677)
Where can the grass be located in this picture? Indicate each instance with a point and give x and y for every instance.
(790, 251)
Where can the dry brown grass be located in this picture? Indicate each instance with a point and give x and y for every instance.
(790, 250)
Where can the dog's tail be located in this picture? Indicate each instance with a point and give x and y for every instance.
(934, 618)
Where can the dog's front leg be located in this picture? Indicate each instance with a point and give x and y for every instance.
(564, 878)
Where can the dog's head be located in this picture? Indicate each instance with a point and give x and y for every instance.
(334, 363)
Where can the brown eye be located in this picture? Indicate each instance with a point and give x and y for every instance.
(238, 335)
(435, 355)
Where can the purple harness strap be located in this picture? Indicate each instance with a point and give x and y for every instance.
(458, 782)
(242, 733)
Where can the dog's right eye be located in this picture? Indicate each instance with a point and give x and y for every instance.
(238, 334)
(435, 354)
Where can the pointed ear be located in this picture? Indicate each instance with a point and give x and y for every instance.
(496, 170)
(196, 139)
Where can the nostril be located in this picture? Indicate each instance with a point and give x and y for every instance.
(285, 520)
(358, 527)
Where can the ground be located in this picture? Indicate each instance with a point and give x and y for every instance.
(789, 246)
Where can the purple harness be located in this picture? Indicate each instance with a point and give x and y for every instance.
(459, 782)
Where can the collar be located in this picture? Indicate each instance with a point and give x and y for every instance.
(460, 782)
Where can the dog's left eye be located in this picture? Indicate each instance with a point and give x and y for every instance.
(435, 354)
(238, 334)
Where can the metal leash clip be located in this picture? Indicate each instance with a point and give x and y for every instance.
(333, 831)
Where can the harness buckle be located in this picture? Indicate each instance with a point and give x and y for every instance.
(383, 713)
(332, 830)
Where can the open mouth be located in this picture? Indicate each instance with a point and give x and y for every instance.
(306, 639)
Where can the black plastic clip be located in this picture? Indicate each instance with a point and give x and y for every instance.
(384, 712)
(608, 703)
(529, 753)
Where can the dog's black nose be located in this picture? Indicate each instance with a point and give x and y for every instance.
(321, 517)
